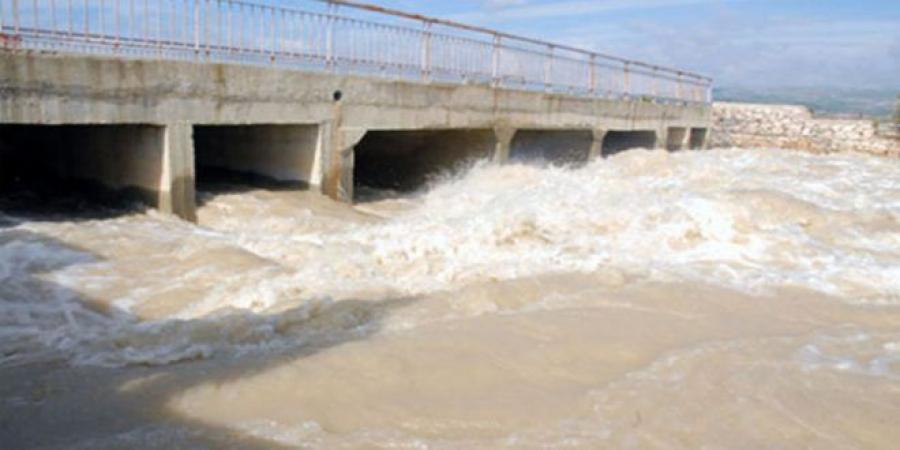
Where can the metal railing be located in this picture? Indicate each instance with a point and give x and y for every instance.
(336, 36)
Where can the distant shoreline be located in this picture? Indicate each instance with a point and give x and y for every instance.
(836, 102)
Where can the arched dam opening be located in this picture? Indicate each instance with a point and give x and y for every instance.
(402, 161)
(568, 147)
(619, 141)
(79, 169)
(236, 157)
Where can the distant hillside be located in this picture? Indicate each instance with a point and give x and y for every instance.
(866, 102)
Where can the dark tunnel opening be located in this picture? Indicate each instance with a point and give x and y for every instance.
(697, 138)
(389, 162)
(79, 169)
(619, 141)
(255, 155)
(568, 147)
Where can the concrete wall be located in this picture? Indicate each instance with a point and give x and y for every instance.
(284, 153)
(57, 89)
(554, 146)
(795, 127)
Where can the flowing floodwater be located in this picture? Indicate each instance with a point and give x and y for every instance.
(727, 298)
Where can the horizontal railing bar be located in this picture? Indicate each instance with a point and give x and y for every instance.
(477, 29)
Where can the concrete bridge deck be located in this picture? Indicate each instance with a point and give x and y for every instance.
(155, 125)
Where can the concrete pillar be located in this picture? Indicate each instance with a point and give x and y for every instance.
(504, 137)
(177, 190)
(597, 143)
(677, 139)
(337, 176)
(662, 138)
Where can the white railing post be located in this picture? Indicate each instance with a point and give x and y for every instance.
(495, 63)
(592, 76)
(329, 36)
(131, 26)
(426, 52)
(16, 16)
(52, 15)
(70, 19)
(548, 68)
(87, 21)
(118, 24)
(678, 88)
(626, 82)
(196, 27)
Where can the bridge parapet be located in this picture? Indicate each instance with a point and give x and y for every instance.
(336, 36)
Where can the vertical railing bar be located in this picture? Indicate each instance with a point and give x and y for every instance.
(240, 40)
(131, 33)
(52, 16)
(159, 27)
(118, 24)
(329, 38)
(261, 31)
(70, 19)
(228, 23)
(145, 29)
(196, 13)
(274, 44)
(279, 39)
(203, 25)
(426, 52)
(16, 16)
(678, 94)
(87, 21)
(592, 76)
(548, 68)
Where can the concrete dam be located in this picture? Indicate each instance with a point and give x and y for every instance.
(154, 98)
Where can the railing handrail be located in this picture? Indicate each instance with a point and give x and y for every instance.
(505, 35)
(258, 32)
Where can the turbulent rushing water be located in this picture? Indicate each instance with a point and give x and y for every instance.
(732, 298)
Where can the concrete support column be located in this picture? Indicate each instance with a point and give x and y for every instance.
(662, 138)
(337, 178)
(597, 143)
(504, 137)
(177, 182)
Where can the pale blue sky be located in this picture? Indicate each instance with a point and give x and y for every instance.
(848, 43)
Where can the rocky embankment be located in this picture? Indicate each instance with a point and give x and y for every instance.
(795, 127)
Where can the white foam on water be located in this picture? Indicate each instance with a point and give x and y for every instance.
(744, 219)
